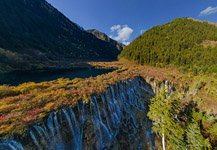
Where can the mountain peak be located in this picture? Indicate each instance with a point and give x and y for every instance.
(102, 36)
(98, 34)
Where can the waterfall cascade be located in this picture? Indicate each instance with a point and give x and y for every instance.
(116, 119)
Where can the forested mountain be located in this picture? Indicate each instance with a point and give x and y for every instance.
(34, 34)
(184, 42)
(104, 37)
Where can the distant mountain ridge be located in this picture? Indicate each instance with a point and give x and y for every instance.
(104, 37)
(34, 34)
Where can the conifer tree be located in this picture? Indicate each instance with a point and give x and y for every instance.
(163, 112)
(195, 139)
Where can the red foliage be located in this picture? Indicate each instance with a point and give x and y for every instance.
(33, 111)
(31, 115)
(2, 117)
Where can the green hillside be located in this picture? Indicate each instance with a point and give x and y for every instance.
(187, 43)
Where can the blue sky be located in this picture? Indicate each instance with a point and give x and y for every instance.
(124, 20)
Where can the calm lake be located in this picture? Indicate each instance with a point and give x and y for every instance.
(18, 77)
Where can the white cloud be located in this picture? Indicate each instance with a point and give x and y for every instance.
(121, 33)
(208, 11)
(115, 27)
(126, 43)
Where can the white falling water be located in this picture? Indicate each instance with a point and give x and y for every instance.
(107, 115)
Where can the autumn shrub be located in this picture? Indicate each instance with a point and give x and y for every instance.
(27, 87)
(7, 91)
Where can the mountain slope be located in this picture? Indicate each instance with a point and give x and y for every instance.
(39, 35)
(104, 37)
(183, 42)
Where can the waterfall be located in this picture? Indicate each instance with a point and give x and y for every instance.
(10, 145)
(113, 120)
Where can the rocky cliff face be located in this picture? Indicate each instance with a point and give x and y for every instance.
(104, 37)
(116, 119)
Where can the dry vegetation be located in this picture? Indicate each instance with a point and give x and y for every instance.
(27, 103)
(208, 43)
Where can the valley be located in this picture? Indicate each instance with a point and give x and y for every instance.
(136, 86)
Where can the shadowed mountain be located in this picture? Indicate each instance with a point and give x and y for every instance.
(104, 37)
(33, 34)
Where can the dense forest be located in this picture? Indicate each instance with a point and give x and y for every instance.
(181, 126)
(185, 42)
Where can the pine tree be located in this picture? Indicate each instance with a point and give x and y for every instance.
(163, 112)
(194, 137)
